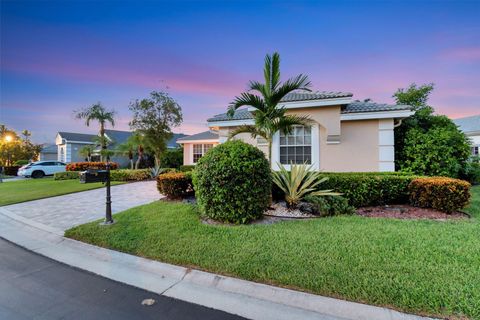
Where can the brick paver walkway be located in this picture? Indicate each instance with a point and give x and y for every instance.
(64, 212)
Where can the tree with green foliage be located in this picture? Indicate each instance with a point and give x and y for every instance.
(86, 152)
(153, 119)
(97, 112)
(172, 158)
(426, 143)
(14, 148)
(269, 116)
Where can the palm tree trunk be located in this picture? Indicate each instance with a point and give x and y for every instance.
(102, 134)
(270, 152)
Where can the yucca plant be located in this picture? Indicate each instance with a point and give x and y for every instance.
(300, 181)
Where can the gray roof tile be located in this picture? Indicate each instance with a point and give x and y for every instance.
(206, 135)
(354, 107)
(358, 106)
(318, 95)
(468, 124)
(72, 136)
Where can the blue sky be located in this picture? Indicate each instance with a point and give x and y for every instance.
(61, 56)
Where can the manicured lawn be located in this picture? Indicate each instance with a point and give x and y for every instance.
(424, 267)
(26, 190)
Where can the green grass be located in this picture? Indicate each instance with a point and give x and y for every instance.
(424, 267)
(26, 190)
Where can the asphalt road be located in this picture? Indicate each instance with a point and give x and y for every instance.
(35, 287)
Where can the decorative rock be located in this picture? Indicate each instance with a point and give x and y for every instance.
(148, 302)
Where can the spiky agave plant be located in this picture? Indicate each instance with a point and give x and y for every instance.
(300, 181)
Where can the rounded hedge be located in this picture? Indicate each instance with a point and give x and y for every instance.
(233, 182)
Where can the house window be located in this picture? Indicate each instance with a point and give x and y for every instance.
(475, 150)
(199, 150)
(296, 147)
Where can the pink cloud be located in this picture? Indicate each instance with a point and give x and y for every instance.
(464, 54)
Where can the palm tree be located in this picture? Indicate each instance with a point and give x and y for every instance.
(26, 134)
(128, 148)
(99, 113)
(87, 151)
(268, 115)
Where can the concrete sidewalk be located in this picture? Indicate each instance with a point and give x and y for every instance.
(244, 298)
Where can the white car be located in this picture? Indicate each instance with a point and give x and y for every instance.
(40, 169)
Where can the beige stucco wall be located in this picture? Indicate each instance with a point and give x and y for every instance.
(357, 150)
(358, 147)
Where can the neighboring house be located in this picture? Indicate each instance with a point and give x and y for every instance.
(345, 135)
(48, 152)
(70, 143)
(471, 127)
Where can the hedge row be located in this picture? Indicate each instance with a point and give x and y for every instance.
(115, 175)
(10, 170)
(444, 194)
(82, 166)
(186, 168)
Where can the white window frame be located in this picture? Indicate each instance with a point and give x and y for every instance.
(203, 144)
(315, 147)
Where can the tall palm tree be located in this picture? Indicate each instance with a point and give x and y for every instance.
(269, 116)
(26, 134)
(97, 112)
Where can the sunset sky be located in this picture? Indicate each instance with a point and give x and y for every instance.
(61, 56)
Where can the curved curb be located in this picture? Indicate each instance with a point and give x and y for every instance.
(244, 298)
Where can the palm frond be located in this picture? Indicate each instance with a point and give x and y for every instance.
(299, 82)
(275, 72)
(253, 130)
(259, 87)
(245, 99)
(286, 123)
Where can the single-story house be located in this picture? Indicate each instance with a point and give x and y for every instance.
(70, 143)
(471, 127)
(48, 152)
(345, 135)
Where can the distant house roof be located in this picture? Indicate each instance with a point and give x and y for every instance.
(72, 136)
(468, 124)
(117, 136)
(354, 107)
(206, 135)
(49, 148)
(172, 143)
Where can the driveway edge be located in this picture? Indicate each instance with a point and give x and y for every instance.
(244, 298)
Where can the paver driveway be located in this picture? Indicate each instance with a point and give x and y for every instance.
(64, 212)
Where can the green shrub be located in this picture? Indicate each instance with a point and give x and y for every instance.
(187, 168)
(441, 193)
(471, 171)
(130, 175)
(233, 182)
(366, 188)
(67, 175)
(175, 185)
(10, 170)
(172, 158)
(21, 162)
(329, 205)
(299, 182)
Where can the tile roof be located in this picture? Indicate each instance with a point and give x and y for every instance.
(318, 95)
(172, 143)
(354, 107)
(358, 106)
(49, 148)
(72, 136)
(206, 135)
(468, 124)
(117, 136)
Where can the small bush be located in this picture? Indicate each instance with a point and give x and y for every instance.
(67, 175)
(175, 185)
(441, 193)
(21, 162)
(82, 166)
(130, 175)
(329, 205)
(233, 182)
(471, 171)
(187, 168)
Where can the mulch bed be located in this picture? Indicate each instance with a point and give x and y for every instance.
(408, 212)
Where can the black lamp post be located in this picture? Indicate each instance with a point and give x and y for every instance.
(108, 207)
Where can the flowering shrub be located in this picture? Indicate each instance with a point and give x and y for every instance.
(66, 175)
(82, 166)
(441, 193)
(175, 185)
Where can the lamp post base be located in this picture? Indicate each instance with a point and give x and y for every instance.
(107, 223)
